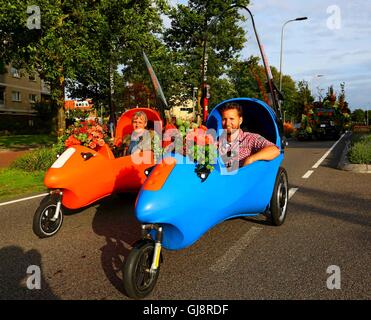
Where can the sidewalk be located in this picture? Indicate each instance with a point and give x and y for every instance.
(7, 157)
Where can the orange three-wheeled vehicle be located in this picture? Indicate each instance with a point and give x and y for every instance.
(81, 176)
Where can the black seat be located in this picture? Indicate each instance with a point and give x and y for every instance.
(256, 119)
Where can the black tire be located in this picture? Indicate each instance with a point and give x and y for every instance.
(138, 281)
(280, 197)
(42, 226)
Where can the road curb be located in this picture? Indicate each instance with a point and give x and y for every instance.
(345, 165)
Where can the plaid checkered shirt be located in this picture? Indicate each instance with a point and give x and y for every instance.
(234, 153)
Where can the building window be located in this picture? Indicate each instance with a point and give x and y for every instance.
(32, 77)
(2, 97)
(16, 96)
(32, 97)
(14, 72)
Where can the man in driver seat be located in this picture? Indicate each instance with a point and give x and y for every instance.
(238, 148)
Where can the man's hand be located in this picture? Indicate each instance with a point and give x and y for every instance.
(248, 160)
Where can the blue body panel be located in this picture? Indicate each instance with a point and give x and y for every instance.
(187, 207)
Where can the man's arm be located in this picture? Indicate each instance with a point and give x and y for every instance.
(267, 153)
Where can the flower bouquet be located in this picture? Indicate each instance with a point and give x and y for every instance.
(86, 133)
(193, 141)
(201, 148)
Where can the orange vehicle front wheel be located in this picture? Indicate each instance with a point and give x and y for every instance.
(46, 221)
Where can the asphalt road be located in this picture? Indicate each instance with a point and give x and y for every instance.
(328, 224)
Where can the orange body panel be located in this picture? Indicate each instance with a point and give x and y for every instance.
(125, 127)
(85, 181)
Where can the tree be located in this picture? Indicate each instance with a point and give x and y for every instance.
(331, 96)
(304, 99)
(343, 105)
(76, 40)
(128, 29)
(248, 78)
(291, 110)
(169, 73)
(187, 37)
(359, 116)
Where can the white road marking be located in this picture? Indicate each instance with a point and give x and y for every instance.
(292, 192)
(24, 199)
(233, 252)
(307, 174)
(317, 164)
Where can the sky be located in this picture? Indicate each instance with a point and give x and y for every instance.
(335, 43)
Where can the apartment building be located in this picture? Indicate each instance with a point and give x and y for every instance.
(19, 91)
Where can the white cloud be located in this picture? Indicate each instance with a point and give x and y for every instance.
(310, 47)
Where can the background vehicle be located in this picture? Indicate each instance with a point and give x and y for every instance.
(325, 124)
(81, 176)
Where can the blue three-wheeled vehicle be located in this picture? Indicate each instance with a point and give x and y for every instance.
(172, 206)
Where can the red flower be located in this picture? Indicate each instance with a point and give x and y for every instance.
(71, 141)
(94, 134)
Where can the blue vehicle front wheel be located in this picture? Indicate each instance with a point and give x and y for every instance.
(138, 280)
(280, 197)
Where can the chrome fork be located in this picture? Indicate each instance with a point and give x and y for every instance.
(59, 194)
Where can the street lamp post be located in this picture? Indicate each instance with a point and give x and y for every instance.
(281, 55)
(311, 83)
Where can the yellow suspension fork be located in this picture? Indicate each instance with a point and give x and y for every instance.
(158, 244)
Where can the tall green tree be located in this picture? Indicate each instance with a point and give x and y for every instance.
(304, 100)
(80, 40)
(127, 30)
(290, 108)
(248, 78)
(187, 35)
(169, 73)
(358, 116)
(343, 104)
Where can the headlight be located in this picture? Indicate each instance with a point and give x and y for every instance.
(59, 163)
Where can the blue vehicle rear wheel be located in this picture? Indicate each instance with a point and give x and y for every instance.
(138, 280)
(280, 197)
